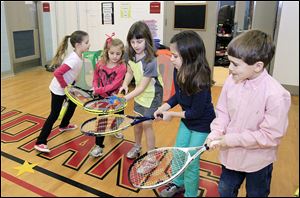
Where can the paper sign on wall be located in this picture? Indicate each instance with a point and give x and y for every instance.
(107, 9)
(125, 10)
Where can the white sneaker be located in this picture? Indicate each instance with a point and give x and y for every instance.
(134, 152)
(119, 135)
(42, 148)
(97, 151)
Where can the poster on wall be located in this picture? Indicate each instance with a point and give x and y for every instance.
(152, 24)
(107, 9)
(125, 10)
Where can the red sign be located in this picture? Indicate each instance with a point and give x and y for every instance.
(154, 7)
(46, 7)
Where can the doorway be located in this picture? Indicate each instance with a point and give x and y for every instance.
(225, 30)
(23, 34)
(207, 34)
(247, 15)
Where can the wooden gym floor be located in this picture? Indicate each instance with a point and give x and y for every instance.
(69, 170)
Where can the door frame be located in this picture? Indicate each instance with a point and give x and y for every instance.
(19, 64)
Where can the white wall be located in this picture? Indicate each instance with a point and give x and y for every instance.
(6, 66)
(286, 63)
(45, 33)
(263, 20)
(71, 16)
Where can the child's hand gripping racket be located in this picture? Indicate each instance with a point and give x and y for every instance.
(77, 95)
(160, 166)
(110, 124)
(111, 104)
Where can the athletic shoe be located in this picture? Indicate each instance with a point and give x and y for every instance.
(119, 135)
(97, 151)
(134, 152)
(68, 128)
(171, 190)
(42, 148)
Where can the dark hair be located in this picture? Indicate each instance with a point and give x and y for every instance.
(75, 37)
(194, 74)
(141, 30)
(252, 46)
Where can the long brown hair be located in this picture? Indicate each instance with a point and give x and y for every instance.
(141, 30)
(75, 37)
(194, 73)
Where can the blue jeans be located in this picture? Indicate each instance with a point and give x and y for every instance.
(257, 183)
(190, 178)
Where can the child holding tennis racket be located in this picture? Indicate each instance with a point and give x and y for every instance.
(252, 117)
(148, 92)
(65, 74)
(108, 78)
(192, 80)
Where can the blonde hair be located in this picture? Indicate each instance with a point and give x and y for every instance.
(113, 42)
(75, 37)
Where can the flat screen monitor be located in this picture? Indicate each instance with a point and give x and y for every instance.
(190, 16)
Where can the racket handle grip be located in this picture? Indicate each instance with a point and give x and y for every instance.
(160, 115)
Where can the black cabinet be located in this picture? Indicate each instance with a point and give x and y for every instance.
(222, 42)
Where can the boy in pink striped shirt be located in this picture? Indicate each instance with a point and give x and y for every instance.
(252, 117)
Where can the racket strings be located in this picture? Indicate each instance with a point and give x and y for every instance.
(98, 105)
(79, 95)
(106, 124)
(168, 163)
(109, 124)
(106, 104)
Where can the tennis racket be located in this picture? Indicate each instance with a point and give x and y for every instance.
(160, 166)
(77, 95)
(111, 104)
(110, 124)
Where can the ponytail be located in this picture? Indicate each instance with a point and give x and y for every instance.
(60, 53)
(75, 37)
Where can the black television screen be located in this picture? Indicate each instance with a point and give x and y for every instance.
(190, 16)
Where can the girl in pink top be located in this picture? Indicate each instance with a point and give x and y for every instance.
(108, 78)
(252, 117)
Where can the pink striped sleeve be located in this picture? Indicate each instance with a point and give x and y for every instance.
(59, 74)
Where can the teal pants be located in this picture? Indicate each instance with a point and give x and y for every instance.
(190, 178)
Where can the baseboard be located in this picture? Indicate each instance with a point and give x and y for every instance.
(294, 90)
(6, 74)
